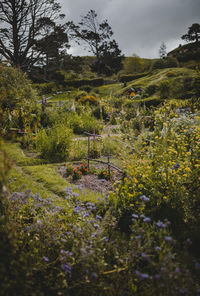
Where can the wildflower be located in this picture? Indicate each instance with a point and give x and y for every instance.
(160, 224)
(197, 265)
(135, 216)
(158, 248)
(144, 198)
(142, 276)
(67, 268)
(94, 275)
(46, 258)
(176, 166)
(147, 220)
(168, 239)
(145, 256)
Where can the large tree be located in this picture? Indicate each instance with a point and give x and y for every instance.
(22, 22)
(97, 36)
(193, 34)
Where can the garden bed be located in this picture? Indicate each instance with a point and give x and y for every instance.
(91, 180)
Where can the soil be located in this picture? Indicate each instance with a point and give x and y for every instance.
(91, 180)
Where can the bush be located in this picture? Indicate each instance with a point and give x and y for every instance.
(151, 89)
(54, 144)
(169, 62)
(104, 174)
(88, 99)
(164, 88)
(46, 88)
(15, 88)
(86, 88)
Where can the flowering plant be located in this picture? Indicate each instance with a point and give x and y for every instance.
(77, 174)
(84, 169)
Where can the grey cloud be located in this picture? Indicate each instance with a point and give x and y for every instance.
(140, 26)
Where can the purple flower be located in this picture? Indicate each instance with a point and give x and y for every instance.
(46, 258)
(160, 224)
(147, 220)
(135, 216)
(142, 276)
(145, 256)
(176, 166)
(158, 248)
(144, 198)
(177, 270)
(67, 268)
(96, 225)
(168, 239)
(94, 275)
(197, 265)
(98, 217)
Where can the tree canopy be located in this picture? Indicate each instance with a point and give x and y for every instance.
(193, 33)
(23, 23)
(97, 36)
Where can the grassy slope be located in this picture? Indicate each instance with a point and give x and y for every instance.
(153, 78)
(40, 178)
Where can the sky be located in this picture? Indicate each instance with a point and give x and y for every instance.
(139, 26)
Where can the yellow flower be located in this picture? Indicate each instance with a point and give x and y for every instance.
(131, 205)
(140, 186)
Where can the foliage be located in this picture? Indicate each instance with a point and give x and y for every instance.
(168, 62)
(15, 88)
(46, 88)
(77, 174)
(193, 33)
(162, 50)
(93, 100)
(164, 88)
(104, 174)
(54, 144)
(23, 23)
(97, 36)
(78, 251)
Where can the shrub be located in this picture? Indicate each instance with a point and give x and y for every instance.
(69, 170)
(77, 174)
(104, 174)
(88, 99)
(164, 88)
(46, 88)
(15, 88)
(86, 88)
(151, 89)
(84, 168)
(54, 144)
(169, 62)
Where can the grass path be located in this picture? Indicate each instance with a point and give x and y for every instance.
(28, 172)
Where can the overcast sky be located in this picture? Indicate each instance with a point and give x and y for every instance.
(139, 26)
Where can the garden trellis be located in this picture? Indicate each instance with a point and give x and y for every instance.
(108, 163)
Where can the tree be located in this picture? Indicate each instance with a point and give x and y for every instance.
(97, 36)
(193, 33)
(52, 47)
(163, 50)
(133, 64)
(22, 23)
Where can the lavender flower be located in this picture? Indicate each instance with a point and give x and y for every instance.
(46, 258)
(168, 239)
(67, 268)
(161, 224)
(144, 198)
